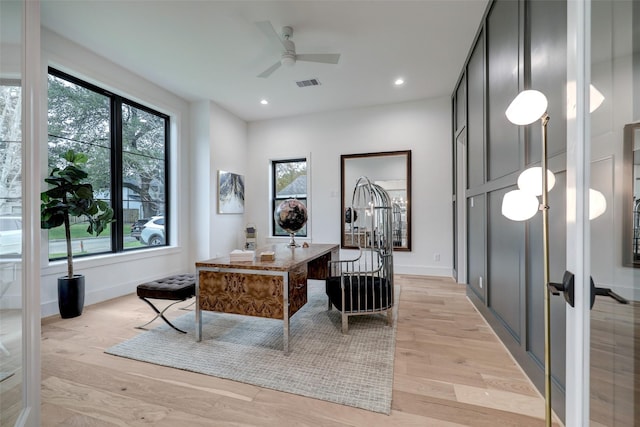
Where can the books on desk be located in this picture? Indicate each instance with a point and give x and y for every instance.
(267, 256)
(239, 255)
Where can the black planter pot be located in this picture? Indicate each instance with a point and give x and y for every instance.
(71, 296)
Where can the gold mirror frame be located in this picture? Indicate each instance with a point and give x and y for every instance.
(372, 165)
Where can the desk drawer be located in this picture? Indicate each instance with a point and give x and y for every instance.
(319, 267)
(297, 289)
(242, 293)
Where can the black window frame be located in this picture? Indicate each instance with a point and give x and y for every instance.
(275, 201)
(116, 146)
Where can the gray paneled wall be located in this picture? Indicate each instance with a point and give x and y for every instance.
(535, 290)
(476, 244)
(475, 114)
(460, 107)
(548, 35)
(503, 47)
(520, 45)
(505, 258)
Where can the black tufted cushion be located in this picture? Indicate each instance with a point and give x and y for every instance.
(367, 293)
(178, 287)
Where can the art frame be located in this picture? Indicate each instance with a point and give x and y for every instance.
(230, 193)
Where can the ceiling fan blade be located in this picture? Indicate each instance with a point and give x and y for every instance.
(270, 32)
(266, 73)
(325, 58)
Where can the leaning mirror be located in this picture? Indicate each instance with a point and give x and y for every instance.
(631, 207)
(392, 171)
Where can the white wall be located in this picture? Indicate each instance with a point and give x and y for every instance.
(108, 276)
(219, 143)
(421, 126)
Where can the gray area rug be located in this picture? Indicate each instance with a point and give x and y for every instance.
(354, 369)
(5, 375)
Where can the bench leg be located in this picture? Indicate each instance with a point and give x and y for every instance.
(186, 307)
(160, 314)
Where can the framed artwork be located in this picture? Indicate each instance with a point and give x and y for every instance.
(230, 193)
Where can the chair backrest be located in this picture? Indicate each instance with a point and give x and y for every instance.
(372, 220)
(365, 284)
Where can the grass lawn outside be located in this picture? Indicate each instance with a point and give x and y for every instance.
(79, 232)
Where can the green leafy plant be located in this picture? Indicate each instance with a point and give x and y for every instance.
(71, 196)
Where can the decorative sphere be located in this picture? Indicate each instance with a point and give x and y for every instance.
(350, 215)
(291, 215)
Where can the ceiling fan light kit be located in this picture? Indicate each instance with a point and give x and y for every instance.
(288, 56)
(288, 59)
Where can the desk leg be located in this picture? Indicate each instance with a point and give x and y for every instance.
(285, 302)
(198, 311)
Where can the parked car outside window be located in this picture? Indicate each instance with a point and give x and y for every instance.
(152, 233)
(136, 227)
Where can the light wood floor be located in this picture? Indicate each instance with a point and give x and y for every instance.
(450, 370)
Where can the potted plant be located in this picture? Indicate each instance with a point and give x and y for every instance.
(69, 196)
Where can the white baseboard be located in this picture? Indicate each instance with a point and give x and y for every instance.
(423, 270)
(11, 302)
(50, 308)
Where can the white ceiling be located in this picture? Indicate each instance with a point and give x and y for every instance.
(213, 50)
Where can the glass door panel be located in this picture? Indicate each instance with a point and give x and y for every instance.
(614, 371)
(11, 359)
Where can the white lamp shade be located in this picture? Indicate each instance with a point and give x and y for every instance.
(527, 107)
(596, 98)
(518, 205)
(597, 204)
(531, 180)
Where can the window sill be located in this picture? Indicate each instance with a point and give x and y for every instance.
(100, 260)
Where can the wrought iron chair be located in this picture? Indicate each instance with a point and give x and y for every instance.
(364, 285)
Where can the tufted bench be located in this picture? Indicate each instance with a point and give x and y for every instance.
(176, 288)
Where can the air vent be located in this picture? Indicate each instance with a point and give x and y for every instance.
(310, 82)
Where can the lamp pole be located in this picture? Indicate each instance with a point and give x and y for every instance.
(526, 108)
(544, 207)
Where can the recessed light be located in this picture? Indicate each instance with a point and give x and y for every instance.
(399, 82)
(264, 102)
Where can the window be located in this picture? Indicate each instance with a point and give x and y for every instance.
(127, 146)
(289, 178)
(10, 169)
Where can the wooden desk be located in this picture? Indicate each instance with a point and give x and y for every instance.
(272, 289)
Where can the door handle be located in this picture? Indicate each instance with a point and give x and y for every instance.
(606, 292)
(567, 287)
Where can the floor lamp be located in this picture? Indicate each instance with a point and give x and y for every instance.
(522, 204)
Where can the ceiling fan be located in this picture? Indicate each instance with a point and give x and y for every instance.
(289, 55)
